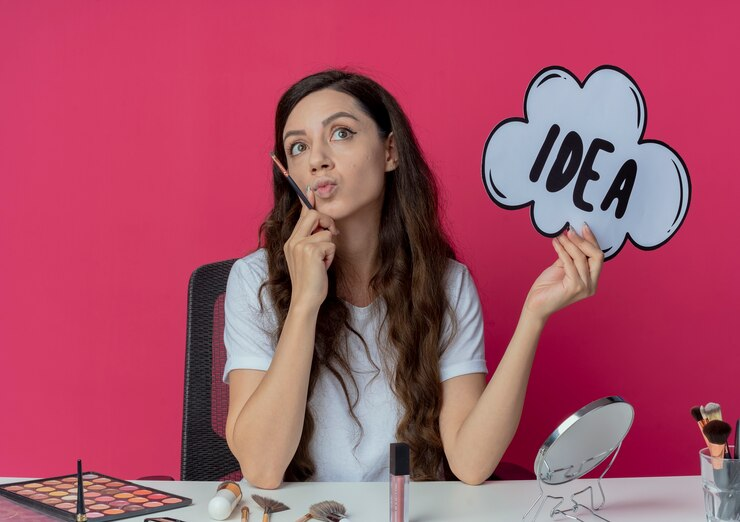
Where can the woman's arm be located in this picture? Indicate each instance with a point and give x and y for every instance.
(266, 409)
(477, 422)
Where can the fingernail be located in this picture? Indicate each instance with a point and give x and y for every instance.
(308, 188)
(586, 225)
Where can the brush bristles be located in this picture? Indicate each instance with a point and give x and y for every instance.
(269, 505)
(712, 411)
(717, 431)
(328, 511)
(696, 413)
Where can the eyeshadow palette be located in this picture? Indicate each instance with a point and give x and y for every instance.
(19, 513)
(106, 498)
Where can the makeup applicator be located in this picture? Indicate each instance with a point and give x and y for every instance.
(269, 506)
(717, 432)
(298, 191)
(326, 511)
(80, 516)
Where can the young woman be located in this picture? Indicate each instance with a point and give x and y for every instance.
(354, 326)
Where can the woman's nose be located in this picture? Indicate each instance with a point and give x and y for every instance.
(319, 158)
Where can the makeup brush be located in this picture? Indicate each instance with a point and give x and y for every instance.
(712, 411)
(328, 511)
(700, 421)
(269, 506)
(245, 513)
(298, 191)
(717, 432)
(80, 516)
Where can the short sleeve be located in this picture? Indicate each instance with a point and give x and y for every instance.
(465, 352)
(248, 327)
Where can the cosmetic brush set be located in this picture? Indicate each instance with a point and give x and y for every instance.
(725, 468)
(229, 494)
(716, 431)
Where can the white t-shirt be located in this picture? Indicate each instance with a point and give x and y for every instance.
(336, 447)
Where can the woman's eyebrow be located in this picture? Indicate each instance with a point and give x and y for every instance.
(324, 123)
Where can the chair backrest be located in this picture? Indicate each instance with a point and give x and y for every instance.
(205, 454)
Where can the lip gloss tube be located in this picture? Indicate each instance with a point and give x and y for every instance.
(399, 482)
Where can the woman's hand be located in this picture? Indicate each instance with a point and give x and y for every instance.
(309, 252)
(571, 278)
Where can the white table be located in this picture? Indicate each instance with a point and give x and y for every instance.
(665, 499)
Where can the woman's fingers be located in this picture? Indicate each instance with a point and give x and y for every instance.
(311, 221)
(591, 249)
(579, 259)
(570, 268)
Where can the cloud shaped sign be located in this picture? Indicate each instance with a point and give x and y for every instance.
(579, 156)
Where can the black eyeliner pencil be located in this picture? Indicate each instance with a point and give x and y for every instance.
(81, 516)
(297, 190)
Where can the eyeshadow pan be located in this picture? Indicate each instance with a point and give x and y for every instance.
(51, 482)
(105, 498)
(38, 496)
(14, 488)
(113, 511)
(171, 500)
(65, 505)
(58, 493)
(101, 480)
(51, 501)
(94, 514)
(157, 496)
(26, 492)
(72, 479)
(138, 500)
(33, 485)
(65, 486)
(44, 489)
(119, 503)
(123, 495)
(142, 492)
(99, 507)
(91, 494)
(129, 488)
(153, 504)
(131, 508)
(115, 484)
(96, 487)
(109, 491)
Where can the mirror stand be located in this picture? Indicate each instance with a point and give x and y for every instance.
(571, 512)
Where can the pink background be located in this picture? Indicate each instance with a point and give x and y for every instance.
(134, 141)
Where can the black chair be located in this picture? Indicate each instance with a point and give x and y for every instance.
(205, 454)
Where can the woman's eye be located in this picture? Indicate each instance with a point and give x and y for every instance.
(297, 148)
(342, 133)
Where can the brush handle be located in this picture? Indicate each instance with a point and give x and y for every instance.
(305, 517)
(265, 517)
(299, 192)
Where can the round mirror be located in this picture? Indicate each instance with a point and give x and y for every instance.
(583, 440)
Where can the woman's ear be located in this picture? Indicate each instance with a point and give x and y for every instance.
(391, 154)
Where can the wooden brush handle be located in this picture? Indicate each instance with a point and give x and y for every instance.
(305, 518)
(265, 517)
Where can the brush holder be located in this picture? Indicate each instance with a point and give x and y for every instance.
(721, 483)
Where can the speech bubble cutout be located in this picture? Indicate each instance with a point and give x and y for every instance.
(578, 157)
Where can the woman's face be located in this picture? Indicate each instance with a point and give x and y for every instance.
(336, 149)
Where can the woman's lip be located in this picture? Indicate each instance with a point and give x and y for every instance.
(325, 191)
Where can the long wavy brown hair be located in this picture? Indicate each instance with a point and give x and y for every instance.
(413, 256)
